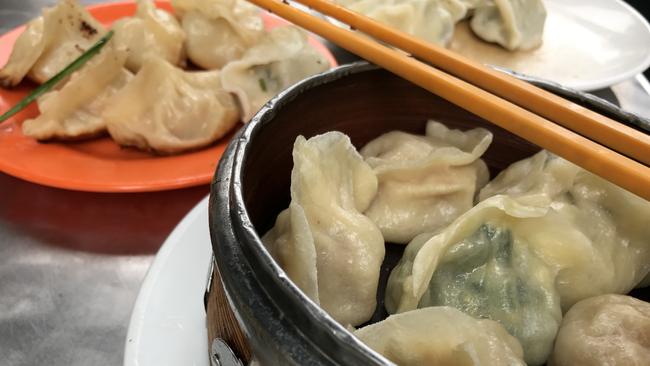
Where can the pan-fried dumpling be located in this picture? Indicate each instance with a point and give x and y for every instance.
(169, 110)
(483, 267)
(606, 249)
(50, 43)
(611, 330)
(74, 111)
(323, 241)
(431, 20)
(425, 182)
(281, 58)
(514, 24)
(150, 32)
(218, 31)
(441, 336)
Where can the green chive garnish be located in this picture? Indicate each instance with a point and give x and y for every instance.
(45, 87)
(262, 84)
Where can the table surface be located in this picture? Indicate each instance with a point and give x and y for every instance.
(71, 263)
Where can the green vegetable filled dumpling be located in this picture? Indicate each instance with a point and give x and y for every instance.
(545, 235)
(482, 268)
(487, 277)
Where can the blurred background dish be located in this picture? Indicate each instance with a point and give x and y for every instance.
(587, 45)
(100, 165)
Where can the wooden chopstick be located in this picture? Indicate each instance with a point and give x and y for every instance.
(596, 158)
(597, 127)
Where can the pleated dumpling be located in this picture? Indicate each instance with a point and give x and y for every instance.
(281, 58)
(75, 111)
(431, 20)
(168, 110)
(425, 182)
(442, 336)
(611, 330)
(151, 32)
(606, 245)
(50, 43)
(323, 241)
(483, 267)
(546, 235)
(514, 24)
(218, 31)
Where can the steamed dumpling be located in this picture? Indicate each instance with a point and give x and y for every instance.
(50, 43)
(169, 110)
(482, 266)
(606, 245)
(281, 58)
(441, 336)
(218, 31)
(74, 111)
(425, 182)
(514, 24)
(431, 20)
(547, 233)
(323, 241)
(150, 32)
(612, 330)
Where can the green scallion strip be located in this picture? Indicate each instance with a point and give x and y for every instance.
(46, 86)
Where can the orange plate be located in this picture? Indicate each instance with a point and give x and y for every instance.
(100, 165)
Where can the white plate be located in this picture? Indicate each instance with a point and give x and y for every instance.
(588, 44)
(168, 321)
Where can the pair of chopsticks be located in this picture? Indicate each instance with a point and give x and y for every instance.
(601, 145)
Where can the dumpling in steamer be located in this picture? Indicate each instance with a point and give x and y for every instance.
(281, 58)
(442, 336)
(547, 233)
(425, 182)
(323, 241)
(50, 43)
(514, 24)
(150, 32)
(605, 249)
(218, 31)
(75, 111)
(483, 267)
(169, 110)
(611, 330)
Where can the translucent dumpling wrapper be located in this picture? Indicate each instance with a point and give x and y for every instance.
(168, 110)
(50, 43)
(607, 249)
(442, 336)
(75, 111)
(425, 182)
(480, 266)
(323, 241)
(552, 234)
(219, 31)
(151, 32)
(431, 20)
(609, 330)
(514, 24)
(281, 58)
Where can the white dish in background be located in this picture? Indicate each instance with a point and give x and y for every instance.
(588, 45)
(168, 323)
